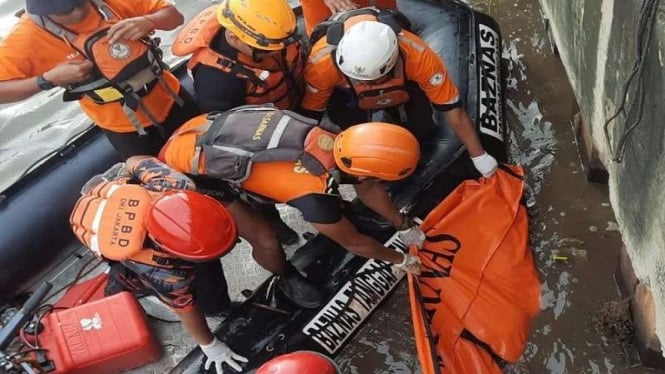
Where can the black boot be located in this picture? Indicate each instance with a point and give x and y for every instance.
(299, 290)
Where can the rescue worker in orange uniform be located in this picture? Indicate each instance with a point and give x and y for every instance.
(102, 53)
(246, 52)
(151, 222)
(280, 156)
(364, 61)
(317, 11)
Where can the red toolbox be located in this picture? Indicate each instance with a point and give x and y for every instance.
(109, 335)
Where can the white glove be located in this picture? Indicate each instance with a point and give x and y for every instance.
(485, 164)
(411, 264)
(412, 236)
(220, 353)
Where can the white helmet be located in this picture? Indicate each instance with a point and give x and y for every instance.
(367, 51)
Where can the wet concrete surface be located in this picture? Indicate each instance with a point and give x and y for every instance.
(584, 326)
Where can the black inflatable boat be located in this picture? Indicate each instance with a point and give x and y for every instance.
(266, 325)
(36, 235)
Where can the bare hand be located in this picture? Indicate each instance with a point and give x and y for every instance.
(336, 6)
(73, 71)
(130, 29)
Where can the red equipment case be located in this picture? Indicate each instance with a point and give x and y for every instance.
(109, 335)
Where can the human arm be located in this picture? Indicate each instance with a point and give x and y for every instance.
(68, 72)
(432, 77)
(216, 352)
(374, 195)
(134, 28)
(460, 122)
(321, 77)
(344, 233)
(156, 175)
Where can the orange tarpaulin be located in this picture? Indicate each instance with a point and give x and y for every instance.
(479, 289)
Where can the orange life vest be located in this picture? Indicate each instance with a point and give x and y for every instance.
(229, 142)
(390, 93)
(123, 71)
(109, 221)
(276, 79)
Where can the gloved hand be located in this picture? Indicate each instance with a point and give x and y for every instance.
(485, 164)
(219, 353)
(411, 264)
(412, 236)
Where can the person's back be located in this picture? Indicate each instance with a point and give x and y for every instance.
(301, 164)
(153, 229)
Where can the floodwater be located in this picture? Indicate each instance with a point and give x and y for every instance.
(584, 327)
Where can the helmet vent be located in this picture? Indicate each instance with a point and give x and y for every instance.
(346, 161)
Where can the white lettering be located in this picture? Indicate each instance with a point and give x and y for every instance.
(490, 116)
(353, 303)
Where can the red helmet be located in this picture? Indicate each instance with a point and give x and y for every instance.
(300, 362)
(191, 226)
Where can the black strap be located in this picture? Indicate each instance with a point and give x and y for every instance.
(167, 261)
(510, 171)
(467, 335)
(240, 71)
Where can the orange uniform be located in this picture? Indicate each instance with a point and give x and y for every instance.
(275, 78)
(106, 206)
(421, 65)
(316, 11)
(29, 50)
(286, 182)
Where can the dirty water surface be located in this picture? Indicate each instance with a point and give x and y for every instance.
(584, 326)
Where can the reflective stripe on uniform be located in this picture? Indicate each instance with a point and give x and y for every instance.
(279, 131)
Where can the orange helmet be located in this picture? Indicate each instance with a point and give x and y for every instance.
(191, 226)
(267, 25)
(376, 149)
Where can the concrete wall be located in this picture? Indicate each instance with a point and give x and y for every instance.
(596, 42)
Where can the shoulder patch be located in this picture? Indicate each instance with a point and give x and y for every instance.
(436, 79)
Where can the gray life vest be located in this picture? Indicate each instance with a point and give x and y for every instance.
(231, 141)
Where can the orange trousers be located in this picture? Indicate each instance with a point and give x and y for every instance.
(315, 11)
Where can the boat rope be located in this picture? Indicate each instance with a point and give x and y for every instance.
(647, 17)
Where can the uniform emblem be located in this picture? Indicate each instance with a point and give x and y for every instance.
(119, 50)
(384, 102)
(436, 79)
(94, 323)
(325, 142)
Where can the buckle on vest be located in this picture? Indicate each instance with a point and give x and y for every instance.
(165, 261)
(225, 62)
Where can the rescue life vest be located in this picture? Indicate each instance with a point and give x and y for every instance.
(123, 71)
(390, 93)
(229, 142)
(275, 79)
(109, 218)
